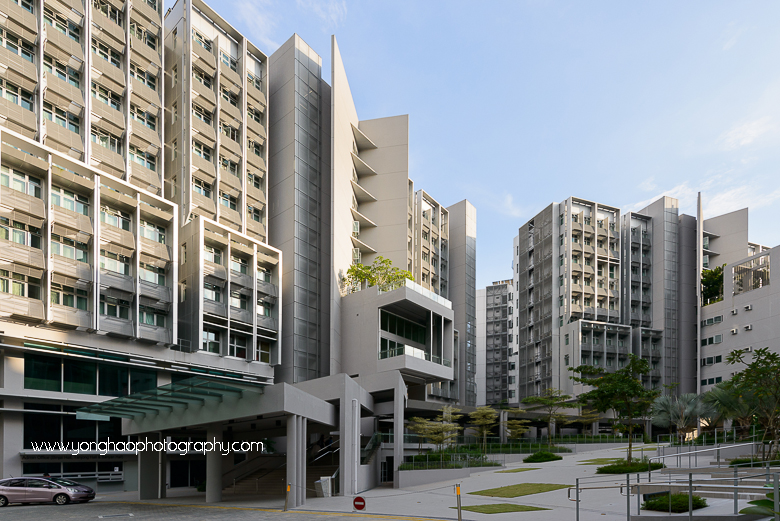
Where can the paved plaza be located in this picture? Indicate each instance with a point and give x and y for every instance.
(431, 501)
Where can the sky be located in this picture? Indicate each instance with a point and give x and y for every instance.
(517, 104)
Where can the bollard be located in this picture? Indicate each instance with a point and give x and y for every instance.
(577, 498)
(736, 493)
(638, 498)
(628, 497)
(457, 492)
(286, 497)
(690, 496)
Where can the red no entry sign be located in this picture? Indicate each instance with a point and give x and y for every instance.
(359, 503)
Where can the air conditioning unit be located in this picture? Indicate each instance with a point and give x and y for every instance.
(748, 307)
(733, 311)
(748, 327)
(748, 349)
(734, 331)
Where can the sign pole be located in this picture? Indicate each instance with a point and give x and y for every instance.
(286, 497)
(457, 491)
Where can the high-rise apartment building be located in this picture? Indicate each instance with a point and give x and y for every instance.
(500, 373)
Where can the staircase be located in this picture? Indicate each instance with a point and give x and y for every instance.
(719, 484)
(270, 482)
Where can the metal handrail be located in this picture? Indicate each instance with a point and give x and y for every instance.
(689, 453)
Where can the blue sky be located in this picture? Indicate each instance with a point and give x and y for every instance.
(517, 104)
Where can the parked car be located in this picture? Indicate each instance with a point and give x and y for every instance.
(43, 490)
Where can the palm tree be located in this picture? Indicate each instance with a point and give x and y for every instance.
(681, 411)
(740, 407)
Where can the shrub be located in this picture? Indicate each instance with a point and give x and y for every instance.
(679, 503)
(541, 457)
(623, 467)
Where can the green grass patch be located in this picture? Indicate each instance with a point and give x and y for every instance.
(623, 467)
(541, 457)
(600, 461)
(521, 489)
(679, 503)
(500, 508)
(512, 471)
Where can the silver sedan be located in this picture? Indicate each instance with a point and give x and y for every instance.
(43, 490)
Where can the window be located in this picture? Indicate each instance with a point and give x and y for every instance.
(114, 262)
(254, 114)
(106, 96)
(69, 297)
(229, 61)
(566, 340)
(175, 72)
(210, 341)
(254, 147)
(42, 373)
(27, 5)
(229, 96)
(212, 292)
(254, 80)
(201, 187)
(212, 254)
(106, 140)
(229, 166)
(426, 256)
(227, 200)
(142, 158)
(263, 274)
(115, 218)
(113, 14)
(144, 118)
(20, 285)
(151, 273)
(264, 308)
(201, 40)
(107, 53)
(201, 113)
(152, 232)
(425, 236)
(16, 45)
(61, 70)
(201, 77)
(254, 214)
(237, 346)
(16, 95)
(61, 117)
(229, 132)
(62, 24)
(20, 182)
(20, 233)
(238, 300)
(151, 316)
(201, 150)
(69, 248)
(114, 307)
(263, 353)
(238, 265)
(143, 34)
(147, 78)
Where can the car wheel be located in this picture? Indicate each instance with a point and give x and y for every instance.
(3, 501)
(61, 499)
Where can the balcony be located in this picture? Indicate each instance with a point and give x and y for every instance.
(229, 112)
(267, 288)
(116, 326)
(229, 217)
(22, 254)
(155, 291)
(108, 117)
(71, 317)
(204, 129)
(267, 323)
(109, 75)
(255, 228)
(208, 172)
(118, 236)
(145, 178)
(108, 158)
(256, 94)
(61, 46)
(63, 94)
(144, 92)
(71, 268)
(240, 279)
(144, 138)
(117, 281)
(140, 7)
(154, 334)
(202, 95)
(106, 28)
(21, 308)
(144, 55)
(230, 183)
(241, 315)
(18, 119)
(22, 202)
(205, 205)
(214, 308)
(62, 139)
(215, 271)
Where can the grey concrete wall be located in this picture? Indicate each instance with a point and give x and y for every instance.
(688, 280)
(481, 349)
(732, 244)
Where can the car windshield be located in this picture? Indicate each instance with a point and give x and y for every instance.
(64, 482)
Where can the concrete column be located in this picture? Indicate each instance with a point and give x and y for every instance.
(349, 440)
(502, 419)
(149, 469)
(163, 465)
(302, 459)
(594, 429)
(398, 434)
(292, 458)
(214, 465)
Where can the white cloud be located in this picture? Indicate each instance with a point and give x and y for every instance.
(648, 185)
(331, 12)
(508, 207)
(261, 22)
(746, 133)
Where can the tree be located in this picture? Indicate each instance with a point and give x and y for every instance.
(516, 428)
(550, 402)
(421, 427)
(681, 411)
(712, 285)
(587, 417)
(444, 428)
(621, 392)
(381, 273)
(732, 404)
(759, 380)
(484, 418)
